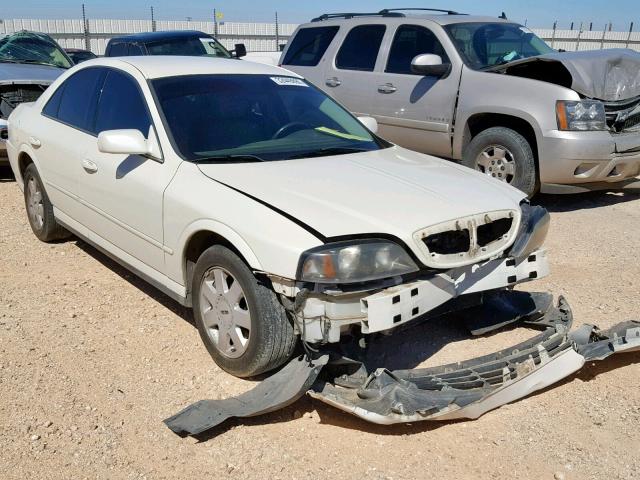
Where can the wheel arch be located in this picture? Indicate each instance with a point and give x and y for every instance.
(479, 122)
(203, 235)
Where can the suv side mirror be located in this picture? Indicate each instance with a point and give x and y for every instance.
(430, 65)
(240, 50)
(370, 123)
(129, 142)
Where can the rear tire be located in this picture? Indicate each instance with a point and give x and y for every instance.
(504, 154)
(39, 208)
(241, 322)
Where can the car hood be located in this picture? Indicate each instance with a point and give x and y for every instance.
(610, 75)
(391, 191)
(31, 74)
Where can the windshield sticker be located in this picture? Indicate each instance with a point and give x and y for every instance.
(297, 82)
(336, 133)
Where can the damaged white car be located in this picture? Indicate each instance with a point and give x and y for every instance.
(245, 192)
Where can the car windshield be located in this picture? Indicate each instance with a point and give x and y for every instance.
(28, 47)
(485, 45)
(240, 118)
(191, 47)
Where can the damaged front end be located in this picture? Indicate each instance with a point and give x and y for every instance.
(346, 379)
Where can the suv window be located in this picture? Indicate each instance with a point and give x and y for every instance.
(410, 41)
(118, 50)
(79, 98)
(309, 45)
(122, 105)
(359, 50)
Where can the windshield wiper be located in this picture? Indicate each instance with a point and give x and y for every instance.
(325, 152)
(29, 62)
(229, 159)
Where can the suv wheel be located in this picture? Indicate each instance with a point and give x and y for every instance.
(39, 208)
(505, 155)
(241, 322)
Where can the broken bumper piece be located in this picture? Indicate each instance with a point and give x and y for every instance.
(465, 389)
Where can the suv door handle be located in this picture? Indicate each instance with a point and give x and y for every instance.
(34, 142)
(332, 82)
(89, 166)
(387, 88)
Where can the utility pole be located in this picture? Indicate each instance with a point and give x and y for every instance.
(629, 36)
(153, 20)
(277, 34)
(85, 29)
(215, 23)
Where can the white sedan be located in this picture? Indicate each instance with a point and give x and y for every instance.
(243, 191)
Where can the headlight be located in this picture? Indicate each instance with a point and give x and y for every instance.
(580, 116)
(358, 261)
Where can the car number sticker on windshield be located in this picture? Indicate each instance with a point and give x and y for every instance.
(289, 81)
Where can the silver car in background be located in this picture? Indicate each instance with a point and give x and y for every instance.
(482, 91)
(29, 63)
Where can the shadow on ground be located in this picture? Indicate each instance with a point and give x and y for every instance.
(581, 201)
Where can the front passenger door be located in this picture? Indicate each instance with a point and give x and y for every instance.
(124, 193)
(416, 111)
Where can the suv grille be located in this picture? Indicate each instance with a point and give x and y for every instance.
(468, 240)
(623, 115)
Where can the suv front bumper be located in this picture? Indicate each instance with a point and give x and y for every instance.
(574, 162)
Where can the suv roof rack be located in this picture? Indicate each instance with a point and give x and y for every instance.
(387, 12)
(448, 12)
(329, 16)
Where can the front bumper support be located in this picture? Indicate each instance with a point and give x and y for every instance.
(465, 389)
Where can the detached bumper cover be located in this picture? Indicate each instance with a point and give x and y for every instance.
(465, 389)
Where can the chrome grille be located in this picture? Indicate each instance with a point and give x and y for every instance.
(623, 115)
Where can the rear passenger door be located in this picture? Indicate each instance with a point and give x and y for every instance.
(305, 54)
(416, 111)
(349, 76)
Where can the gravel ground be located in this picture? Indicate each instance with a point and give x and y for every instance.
(92, 359)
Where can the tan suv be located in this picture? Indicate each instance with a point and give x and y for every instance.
(484, 91)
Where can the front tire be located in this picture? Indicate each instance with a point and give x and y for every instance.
(505, 155)
(39, 208)
(241, 322)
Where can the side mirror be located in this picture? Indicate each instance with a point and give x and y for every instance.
(240, 50)
(370, 123)
(129, 142)
(430, 65)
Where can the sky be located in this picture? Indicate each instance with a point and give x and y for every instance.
(538, 13)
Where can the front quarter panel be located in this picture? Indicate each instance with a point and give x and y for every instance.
(531, 100)
(268, 241)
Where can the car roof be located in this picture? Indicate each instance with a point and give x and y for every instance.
(152, 36)
(441, 19)
(160, 66)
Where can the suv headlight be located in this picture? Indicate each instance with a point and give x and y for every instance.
(586, 115)
(355, 261)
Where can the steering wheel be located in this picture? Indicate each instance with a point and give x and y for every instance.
(290, 128)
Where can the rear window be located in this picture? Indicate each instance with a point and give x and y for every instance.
(80, 97)
(309, 45)
(359, 50)
(118, 50)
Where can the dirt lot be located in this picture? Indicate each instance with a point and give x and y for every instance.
(92, 359)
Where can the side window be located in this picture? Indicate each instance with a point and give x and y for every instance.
(53, 105)
(118, 50)
(122, 105)
(408, 42)
(359, 50)
(135, 49)
(309, 45)
(78, 103)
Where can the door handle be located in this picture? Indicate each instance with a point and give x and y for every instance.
(89, 166)
(387, 88)
(34, 142)
(332, 82)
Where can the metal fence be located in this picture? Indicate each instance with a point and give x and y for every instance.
(94, 34)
